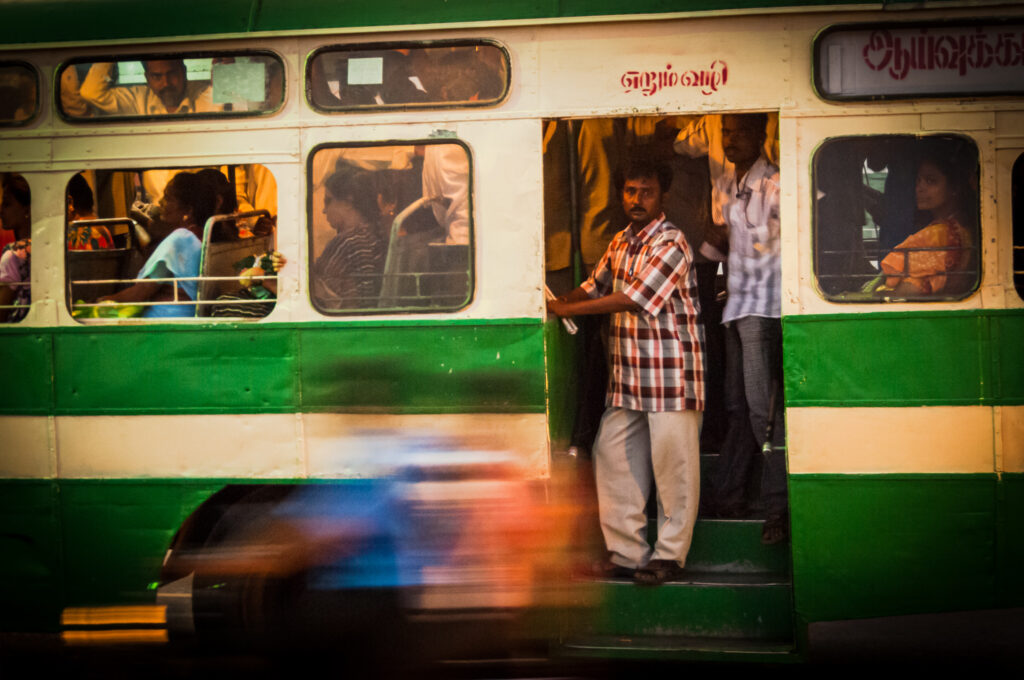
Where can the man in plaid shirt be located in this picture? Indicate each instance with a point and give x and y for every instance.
(655, 399)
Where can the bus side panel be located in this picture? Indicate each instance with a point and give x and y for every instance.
(561, 356)
(1010, 538)
(888, 359)
(478, 367)
(881, 545)
(900, 494)
(27, 359)
(31, 580)
(116, 532)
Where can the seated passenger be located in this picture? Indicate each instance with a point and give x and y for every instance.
(81, 207)
(226, 203)
(186, 205)
(446, 177)
(15, 260)
(921, 264)
(167, 90)
(348, 272)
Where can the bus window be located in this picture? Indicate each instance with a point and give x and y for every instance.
(390, 228)
(407, 75)
(896, 218)
(190, 84)
(19, 93)
(15, 247)
(171, 243)
(1017, 192)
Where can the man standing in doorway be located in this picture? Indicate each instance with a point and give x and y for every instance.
(753, 342)
(655, 397)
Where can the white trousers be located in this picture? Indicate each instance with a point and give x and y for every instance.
(633, 449)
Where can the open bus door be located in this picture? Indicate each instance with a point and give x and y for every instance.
(736, 593)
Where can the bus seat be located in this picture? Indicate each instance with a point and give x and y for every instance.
(219, 260)
(108, 264)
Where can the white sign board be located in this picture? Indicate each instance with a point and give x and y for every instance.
(920, 60)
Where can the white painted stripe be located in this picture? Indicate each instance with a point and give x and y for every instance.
(26, 447)
(276, 446)
(926, 439)
(1011, 422)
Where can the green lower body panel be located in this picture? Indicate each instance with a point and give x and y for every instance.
(1010, 541)
(85, 542)
(885, 545)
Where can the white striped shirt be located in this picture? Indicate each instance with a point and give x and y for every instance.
(751, 211)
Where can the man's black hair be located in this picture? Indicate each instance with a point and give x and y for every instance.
(641, 167)
(178, 63)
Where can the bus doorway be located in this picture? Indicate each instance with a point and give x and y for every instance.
(736, 538)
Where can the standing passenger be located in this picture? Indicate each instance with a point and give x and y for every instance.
(167, 91)
(750, 189)
(15, 257)
(645, 280)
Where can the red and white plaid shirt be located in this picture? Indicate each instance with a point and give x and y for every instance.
(657, 361)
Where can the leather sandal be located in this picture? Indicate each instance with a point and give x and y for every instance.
(775, 529)
(657, 572)
(607, 569)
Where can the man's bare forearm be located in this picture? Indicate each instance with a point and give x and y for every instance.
(570, 305)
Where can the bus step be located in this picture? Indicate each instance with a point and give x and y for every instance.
(700, 605)
(682, 648)
(734, 546)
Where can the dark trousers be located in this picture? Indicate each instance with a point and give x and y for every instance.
(753, 349)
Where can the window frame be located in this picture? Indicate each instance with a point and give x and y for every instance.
(39, 94)
(1017, 224)
(146, 56)
(393, 311)
(919, 299)
(69, 303)
(406, 44)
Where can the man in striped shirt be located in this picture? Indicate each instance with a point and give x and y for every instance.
(655, 398)
(753, 339)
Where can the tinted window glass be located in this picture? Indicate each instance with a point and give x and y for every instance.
(19, 93)
(896, 218)
(192, 84)
(410, 75)
(390, 228)
(171, 243)
(15, 247)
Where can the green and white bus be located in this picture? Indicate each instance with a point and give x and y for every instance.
(904, 412)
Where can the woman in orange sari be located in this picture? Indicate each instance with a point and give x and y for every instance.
(927, 261)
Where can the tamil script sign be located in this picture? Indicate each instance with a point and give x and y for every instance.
(920, 60)
(706, 80)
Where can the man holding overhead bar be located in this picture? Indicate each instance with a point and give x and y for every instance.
(655, 397)
(167, 90)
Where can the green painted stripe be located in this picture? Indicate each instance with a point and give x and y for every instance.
(27, 360)
(905, 359)
(43, 21)
(883, 545)
(383, 367)
(562, 364)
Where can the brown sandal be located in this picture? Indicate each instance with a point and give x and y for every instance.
(657, 572)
